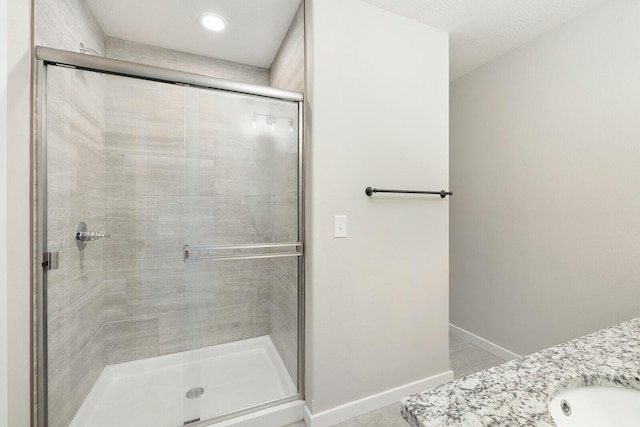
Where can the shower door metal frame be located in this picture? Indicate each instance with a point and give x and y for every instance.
(48, 56)
(40, 291)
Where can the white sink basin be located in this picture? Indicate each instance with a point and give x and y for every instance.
(597, 406)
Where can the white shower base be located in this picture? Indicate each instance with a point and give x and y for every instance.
(152, 392)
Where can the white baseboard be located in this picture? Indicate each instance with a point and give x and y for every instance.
(492, 348)
(371, 403)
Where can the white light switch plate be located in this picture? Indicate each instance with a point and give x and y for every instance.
(340, 226)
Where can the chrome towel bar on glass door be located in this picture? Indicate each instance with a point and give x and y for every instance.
(188, 251)
(370, 190)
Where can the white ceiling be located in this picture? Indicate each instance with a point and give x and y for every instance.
(482, 30)
(255, 28)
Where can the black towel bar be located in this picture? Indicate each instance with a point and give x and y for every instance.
(370, 190)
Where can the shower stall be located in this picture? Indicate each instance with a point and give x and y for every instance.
(169, 242)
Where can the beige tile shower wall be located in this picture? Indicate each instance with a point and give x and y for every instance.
(284, 284)
(172, 184)
(160, 57)
(284, 312)
(287, 69)
(287, 72)
(64, 24)
(76, 192)
(191, 172)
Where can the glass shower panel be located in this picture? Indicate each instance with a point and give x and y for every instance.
(242, 154)
(146, 182)
(118, 333)
(240, 211)
(183, 305)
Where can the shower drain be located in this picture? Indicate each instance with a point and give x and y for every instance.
(194, 393)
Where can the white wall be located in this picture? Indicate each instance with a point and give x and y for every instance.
(14, 213)
(377, 301)
(545, 163)
(3, 213)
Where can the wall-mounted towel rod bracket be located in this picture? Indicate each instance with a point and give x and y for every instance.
(370, 190)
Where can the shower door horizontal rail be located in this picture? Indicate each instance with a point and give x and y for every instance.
(149, 72)
(190, 253)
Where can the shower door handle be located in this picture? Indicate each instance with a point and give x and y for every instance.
(288, 249)
(50, 261)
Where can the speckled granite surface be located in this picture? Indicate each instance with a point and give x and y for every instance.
(517, 392)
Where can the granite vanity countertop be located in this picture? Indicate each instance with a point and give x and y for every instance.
(517, 393)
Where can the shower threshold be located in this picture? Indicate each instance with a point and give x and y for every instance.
(167, 391)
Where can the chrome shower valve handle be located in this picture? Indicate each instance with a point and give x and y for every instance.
(83, 236)
(89, 236)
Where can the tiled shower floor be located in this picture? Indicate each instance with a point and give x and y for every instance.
(152, 392)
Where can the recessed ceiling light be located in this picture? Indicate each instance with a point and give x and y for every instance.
(213, 22)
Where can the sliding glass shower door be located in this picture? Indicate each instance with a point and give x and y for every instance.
(170, 228)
